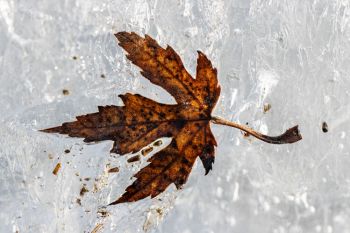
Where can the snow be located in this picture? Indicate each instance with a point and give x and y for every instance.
(293, 55)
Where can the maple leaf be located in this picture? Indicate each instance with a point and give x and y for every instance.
(141, 120)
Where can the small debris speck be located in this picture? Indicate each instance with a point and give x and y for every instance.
(158, 143)
(74, 57)
(134, 159)
(113, 170)
(245, 134)
(267, 107)
(78, 201)
(83, 190)
(103, 213)
(66, 151)
(324, 127)
(56, 169)
(146, 151)
(159, 211)
(103, 76)
(65, 92)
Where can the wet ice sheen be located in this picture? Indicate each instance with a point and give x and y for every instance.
(293, 55)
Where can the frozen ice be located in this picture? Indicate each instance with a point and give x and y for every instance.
(293, 55)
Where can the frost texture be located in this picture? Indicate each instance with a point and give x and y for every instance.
(293, 55)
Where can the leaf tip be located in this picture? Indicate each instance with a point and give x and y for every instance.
(121, 200)
(208, 164)
(115, 150)
(207, 171)
(57, 129)
(114, 202)
(120, 34)
(123, 97)
(200, 54)
(123, 37)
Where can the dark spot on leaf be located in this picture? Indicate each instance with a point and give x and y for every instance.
(183, 170)
(179, 124)
(162, 115)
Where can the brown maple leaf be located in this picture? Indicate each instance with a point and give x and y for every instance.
(141, 120)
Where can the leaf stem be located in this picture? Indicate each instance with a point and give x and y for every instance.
(290, 136)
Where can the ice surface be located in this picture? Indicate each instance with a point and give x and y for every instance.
(294, 55)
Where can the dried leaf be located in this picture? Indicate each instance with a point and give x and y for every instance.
(141, 120)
